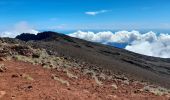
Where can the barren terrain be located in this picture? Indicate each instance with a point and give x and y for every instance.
(65, 68)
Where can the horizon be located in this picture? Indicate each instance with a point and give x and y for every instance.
(84, 49)
(144, 25)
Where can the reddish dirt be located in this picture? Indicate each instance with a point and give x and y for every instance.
(13, 86)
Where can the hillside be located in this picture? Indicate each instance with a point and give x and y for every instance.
(154, 70)
(53, 66)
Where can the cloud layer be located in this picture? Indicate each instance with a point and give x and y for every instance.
(150, 43)
(21, 27)
(93, 13)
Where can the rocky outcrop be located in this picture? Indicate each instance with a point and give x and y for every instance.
(39, 36)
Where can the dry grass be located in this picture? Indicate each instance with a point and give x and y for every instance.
(103, 76)
(126, 82)
(94, 75)
(97, 80)
(70, 75)
(156, 90)
(2, 68)
(114, 86)
(27, 77)
(65, 82)
(41, 57)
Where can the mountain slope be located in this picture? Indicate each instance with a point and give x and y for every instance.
(30, 73)
(106, 58)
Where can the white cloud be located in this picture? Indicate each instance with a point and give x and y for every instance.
(91, 36)
(108, 36)
(150, 43)
(93, 13)
(19, 28)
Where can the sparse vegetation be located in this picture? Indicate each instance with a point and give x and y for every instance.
(62, 70)
(2, 68)
(94, 75)
(60, 80)
(27, 77)
(103, 76)
(126, 82)
(97, 80)
(114, 86)
(70, 75)
(156, 90)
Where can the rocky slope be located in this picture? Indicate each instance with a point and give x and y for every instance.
(135, 66)
(34, 71)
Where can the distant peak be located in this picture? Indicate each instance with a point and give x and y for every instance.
(39, 36)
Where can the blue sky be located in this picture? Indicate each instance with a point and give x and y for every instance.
(141, 26)
(86, 14)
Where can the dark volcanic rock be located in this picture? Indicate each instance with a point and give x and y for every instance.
(39, 36)
(26, 37)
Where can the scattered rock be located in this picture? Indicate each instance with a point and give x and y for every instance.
(14, 76)
(29, 87)
(137, 91)
(13, 97)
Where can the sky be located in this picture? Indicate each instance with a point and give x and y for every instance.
(140, 26)
(86, 14)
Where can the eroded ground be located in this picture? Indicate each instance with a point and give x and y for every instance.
(24, 81)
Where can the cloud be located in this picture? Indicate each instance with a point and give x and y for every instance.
(158, 46)
(150, 43)
(18, 28)
(93, 13)
(91, 36)
(108, 36)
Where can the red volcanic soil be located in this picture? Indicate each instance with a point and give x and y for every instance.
(24, 81)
